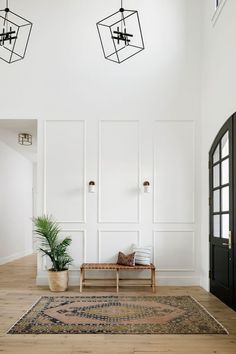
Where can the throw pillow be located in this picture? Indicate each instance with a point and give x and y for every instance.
(142, 255)
(127, 260)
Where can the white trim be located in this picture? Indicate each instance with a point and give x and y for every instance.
(70, 222)
(173, 223)
(161, 280)
(40, 168)
(84, 220)
(175, 270)
(42, 278)
(44, 167)
(84, 233)
(99, 232)
(154, 174)
(42, 259)
(217, 11)
(175, 120)
(99, 217)
(178, 280)
(15, 256)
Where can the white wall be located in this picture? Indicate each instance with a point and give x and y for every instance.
(119, 158)
(65, 77)
(15, 205)
(218, 97)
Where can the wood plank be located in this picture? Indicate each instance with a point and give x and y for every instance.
(18, 292)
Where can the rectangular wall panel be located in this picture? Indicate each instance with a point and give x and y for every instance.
(174, 250)
(76, 250)
(119, 172)
(174, 161)
(111, 242)
(65, 170)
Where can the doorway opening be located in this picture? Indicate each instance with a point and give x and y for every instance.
(18, 174)
(222, 222)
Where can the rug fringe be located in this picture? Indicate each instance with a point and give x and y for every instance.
(225, 329)
(24, 314)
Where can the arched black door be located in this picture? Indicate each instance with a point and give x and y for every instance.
(221, 202)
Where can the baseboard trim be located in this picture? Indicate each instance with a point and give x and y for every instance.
(205, 283)
(42, 280)
(179, 281)
(15, 256)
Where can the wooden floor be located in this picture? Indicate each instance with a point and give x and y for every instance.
(18, 292)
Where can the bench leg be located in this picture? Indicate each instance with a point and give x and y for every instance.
(81, 279)
(117, 280)
(153, 280)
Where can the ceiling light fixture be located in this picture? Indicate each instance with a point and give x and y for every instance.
(14, 35)
(121, 35)
(25, 139)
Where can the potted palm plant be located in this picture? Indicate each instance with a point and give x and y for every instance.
(48, 231)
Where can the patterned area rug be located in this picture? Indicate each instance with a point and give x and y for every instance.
(117, 315)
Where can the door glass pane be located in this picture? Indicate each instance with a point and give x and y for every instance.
(225, 172)
(216, 155)
(216, 201)
(216, 176)
(225, 199)
(225, 226)
(216, 225)
(225, 145)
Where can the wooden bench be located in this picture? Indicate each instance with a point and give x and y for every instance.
(151, 281)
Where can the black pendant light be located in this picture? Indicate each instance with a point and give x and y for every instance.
(14, 35)
(121, 35)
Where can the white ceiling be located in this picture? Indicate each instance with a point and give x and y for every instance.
(9, 130)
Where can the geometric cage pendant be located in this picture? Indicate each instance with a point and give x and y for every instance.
(121, 35)
(14, 35)
(25, 139)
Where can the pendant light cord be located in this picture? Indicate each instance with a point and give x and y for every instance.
(122, 16)
(6, 15)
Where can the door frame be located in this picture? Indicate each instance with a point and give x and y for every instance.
(229, 126)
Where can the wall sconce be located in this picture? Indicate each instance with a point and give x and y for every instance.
(146, 186)
(91, 187)
(25, 139)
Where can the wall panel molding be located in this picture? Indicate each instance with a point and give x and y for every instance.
(187, 250)
(122, 243)
(72, 233)
(188, 203)
(45, 184)
(136, 188)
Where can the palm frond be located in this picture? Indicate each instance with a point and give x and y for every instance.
(47, 231)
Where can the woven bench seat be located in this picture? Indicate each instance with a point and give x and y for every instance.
(118, 281)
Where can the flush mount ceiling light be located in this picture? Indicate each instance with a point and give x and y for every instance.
(25, 139)
(14, 35)
(121, 35)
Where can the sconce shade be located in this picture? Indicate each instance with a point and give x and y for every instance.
(91, 187)
(14, 36)
(146, 186)
(121, 35)
(25, 139)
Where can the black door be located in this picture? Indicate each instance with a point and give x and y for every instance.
(221, 214)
